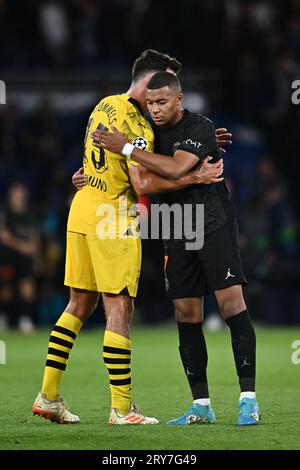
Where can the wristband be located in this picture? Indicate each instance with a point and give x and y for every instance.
(127, 150)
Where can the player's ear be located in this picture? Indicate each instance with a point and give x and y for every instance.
(179, 98)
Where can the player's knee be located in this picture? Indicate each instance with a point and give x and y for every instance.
(231, 306)
(81, 308)
(125, 311)
(184, 316)
(121, 309)
(118, 319)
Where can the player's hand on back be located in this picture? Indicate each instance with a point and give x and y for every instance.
(113, 141)
(79, 179)
(207, 173)
(223, 137)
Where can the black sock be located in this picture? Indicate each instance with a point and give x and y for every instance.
(193, 353)
(243, 345)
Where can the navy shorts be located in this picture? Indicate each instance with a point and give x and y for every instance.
(218, 265)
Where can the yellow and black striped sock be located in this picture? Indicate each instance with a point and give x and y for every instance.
(61, 342)
(116, 355)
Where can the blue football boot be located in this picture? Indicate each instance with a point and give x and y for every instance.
(197, 414)
(249, 412)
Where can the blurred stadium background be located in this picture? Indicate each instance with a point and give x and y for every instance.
(58, 58)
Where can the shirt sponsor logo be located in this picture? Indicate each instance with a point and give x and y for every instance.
(195, 143)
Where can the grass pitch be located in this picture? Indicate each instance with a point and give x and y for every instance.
(159, 387)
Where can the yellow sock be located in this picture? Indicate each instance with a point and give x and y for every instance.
(61, 341)
(116, 355)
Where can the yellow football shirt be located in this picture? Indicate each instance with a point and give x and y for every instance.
(97, 207)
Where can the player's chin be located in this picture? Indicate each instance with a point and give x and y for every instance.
(159, 121)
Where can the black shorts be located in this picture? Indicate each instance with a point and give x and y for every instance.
(216, 266)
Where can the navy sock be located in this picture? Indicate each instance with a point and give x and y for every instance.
(193, 353)
(243, 346)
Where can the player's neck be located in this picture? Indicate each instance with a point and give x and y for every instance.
(137, 90)
(138, 93)
(175, 119)
(178, 117)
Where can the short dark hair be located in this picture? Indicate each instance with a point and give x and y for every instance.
(151, 60)
(161, 79)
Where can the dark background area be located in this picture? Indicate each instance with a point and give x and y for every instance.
(58, 58)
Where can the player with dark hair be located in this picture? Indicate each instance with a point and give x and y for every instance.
(151, 60)
(107, 265)
(182, 140)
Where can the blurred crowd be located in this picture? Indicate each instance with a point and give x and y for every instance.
(256, 47)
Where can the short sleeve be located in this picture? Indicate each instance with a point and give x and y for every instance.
(100, 120)
(199, 138)
(145, 143)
